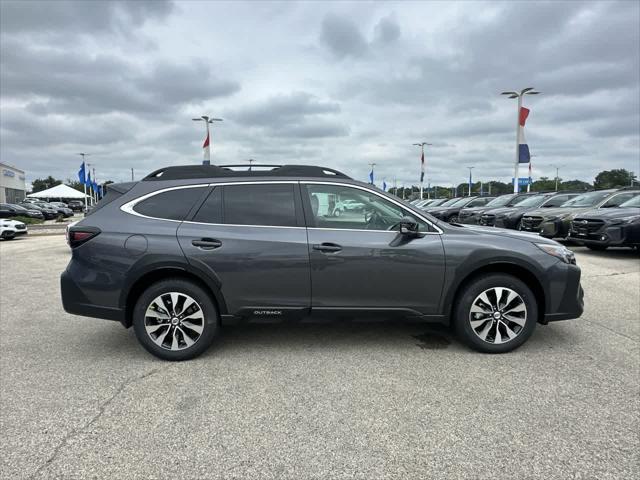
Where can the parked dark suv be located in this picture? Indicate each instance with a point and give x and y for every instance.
(189, 248)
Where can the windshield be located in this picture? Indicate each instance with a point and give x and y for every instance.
(634, 202)
(586, 199)
(500, 201)
(532, 201)
(449, 202)
(462, 202)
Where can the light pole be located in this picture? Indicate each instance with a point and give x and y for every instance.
(470, 182)
(207, 149)
(421, 145)
(557, 167)
(251, 160)
(519, 96)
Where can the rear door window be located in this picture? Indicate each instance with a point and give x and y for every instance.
(170, 205)
(263, 204)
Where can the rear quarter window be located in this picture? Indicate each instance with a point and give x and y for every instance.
(170, 205)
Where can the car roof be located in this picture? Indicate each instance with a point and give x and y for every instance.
(226, 172)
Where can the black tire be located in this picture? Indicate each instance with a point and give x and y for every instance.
(470, 293)
(211, 322)
(597, 248)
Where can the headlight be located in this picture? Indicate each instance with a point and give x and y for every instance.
(630, 219)
(558, 251)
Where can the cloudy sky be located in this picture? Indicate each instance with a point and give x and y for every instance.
(332, 83)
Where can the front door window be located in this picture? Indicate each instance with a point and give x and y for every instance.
(341, 207)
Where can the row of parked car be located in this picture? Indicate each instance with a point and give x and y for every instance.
(35, 209)
(597, 219)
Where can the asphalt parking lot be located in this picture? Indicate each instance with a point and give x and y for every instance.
(81, 399)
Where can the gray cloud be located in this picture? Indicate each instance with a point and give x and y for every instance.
(342, 37)
(73, 82)
(67, 17)
(386, 30)
(284, 108)
(339, 84)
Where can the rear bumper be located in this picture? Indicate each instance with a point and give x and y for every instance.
(75, 302)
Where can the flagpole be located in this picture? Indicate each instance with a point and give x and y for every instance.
(518, 95)
(421, 171)
(207, 120)
(95, 197)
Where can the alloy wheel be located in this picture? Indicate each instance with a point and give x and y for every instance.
(498, 315)
(174, 321)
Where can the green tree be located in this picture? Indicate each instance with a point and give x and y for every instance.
(40, 184)
(576, 185)
(545, 184)
(614, 178)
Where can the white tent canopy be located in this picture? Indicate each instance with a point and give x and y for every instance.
(59, 191)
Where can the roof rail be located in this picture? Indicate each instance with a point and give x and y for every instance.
(215, 171)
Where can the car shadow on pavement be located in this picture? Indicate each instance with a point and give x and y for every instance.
(338, 335)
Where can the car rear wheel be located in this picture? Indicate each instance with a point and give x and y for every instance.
(496, 313)
(175, 319)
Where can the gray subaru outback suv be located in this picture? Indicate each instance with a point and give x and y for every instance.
(188, 249)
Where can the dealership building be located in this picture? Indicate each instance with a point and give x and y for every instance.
(12, 184)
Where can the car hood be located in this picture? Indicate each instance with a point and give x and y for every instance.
(437, 210)
(554, 212)
(502, 210)
(473, 209)
(503, 232)
(495, 211)
(610, 213)
(11, 223)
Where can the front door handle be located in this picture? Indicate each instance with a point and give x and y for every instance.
(207, 243)
(327, 247)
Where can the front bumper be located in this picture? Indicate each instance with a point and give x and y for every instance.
(565, 296)
(609, 236)
(557, 228)
(469, 219)
(505, 222)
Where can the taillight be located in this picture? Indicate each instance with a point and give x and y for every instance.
(79, 235)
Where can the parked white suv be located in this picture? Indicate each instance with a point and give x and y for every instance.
(11, 228)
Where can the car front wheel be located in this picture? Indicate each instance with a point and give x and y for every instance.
(175, 319)
(496, 313)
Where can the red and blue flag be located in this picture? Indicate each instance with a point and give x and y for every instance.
(523, 147)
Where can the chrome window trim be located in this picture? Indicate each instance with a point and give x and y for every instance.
(128, 207)
(241, 225)
(428, 222)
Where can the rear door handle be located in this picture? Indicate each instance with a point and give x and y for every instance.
(327, 247)
(206, 243)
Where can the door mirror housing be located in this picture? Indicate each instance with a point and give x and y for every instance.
(408, 226)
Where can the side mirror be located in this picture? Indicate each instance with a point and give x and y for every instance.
(408, 226)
